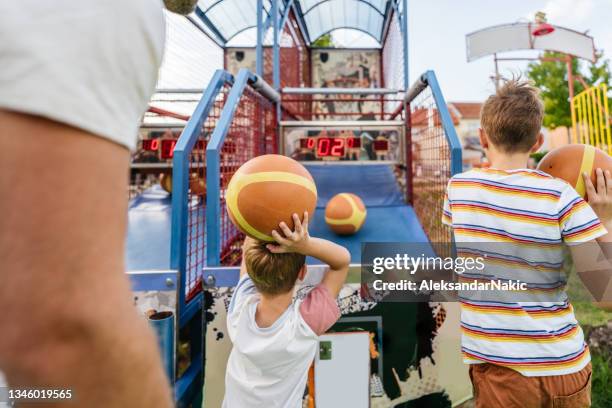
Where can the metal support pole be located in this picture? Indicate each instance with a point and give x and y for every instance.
(404, 22)
(276, 83)
(570, 80)
(276, 47)
(259, 63)
(496, 72)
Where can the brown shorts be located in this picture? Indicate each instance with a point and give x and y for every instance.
(496, 386)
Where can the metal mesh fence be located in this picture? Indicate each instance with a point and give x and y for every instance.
(393, 57)
(196, 198)
(431, 167)
(252, 133)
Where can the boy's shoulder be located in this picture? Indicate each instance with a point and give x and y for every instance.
(520, 177)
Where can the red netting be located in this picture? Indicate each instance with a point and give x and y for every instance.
(196, 248)
(431, 168)
(252, 133)
(294, 62)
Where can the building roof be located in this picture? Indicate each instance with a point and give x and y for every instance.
(225, 19)
(466, 110)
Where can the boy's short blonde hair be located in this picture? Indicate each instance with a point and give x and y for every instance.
(512, 117)
(272, 274)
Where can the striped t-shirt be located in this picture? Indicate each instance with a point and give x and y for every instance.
(521, 220)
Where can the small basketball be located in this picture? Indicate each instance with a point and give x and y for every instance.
(345, 213)
(267, 190)
(166, 182)
(570, 161)
(197, 184)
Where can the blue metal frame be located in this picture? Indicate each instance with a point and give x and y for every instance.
(189, 385)
(202, 16)
(259, 64)
(153, 280)
(299, 16)
(213, 176)
(286, 11)
(454, 144)
(222, 277)
(180, 178)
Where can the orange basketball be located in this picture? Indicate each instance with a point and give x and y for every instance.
(570, 161)
(267, 190)
(166, 182)
(197, 184)
(345, 213)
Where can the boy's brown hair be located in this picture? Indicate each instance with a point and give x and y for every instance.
(272, 274)
(512, 117)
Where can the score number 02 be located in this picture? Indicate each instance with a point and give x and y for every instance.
(330, 146)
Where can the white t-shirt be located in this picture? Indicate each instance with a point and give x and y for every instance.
(268, 367)
(91, 64)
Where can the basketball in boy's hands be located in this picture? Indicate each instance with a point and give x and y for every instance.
(570, 161)
(267, 190)
(345, 213)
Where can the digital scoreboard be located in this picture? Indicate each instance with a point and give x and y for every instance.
(329, 144)
(157, 145)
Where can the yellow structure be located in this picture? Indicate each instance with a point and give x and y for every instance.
(591, 118)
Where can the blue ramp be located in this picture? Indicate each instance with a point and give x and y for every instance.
(389, 219)
(149, 226)
(374, 184)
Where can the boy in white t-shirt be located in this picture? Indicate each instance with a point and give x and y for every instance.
(275, 336)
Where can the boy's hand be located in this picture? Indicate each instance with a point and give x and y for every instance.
(600, 200)
(292, 241)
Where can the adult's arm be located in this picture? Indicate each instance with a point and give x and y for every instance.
(66, 317)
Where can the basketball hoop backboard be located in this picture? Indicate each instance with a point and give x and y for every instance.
(518, 36)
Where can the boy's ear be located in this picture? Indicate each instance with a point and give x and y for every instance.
(302, 273)
(484, 139)
(539, 142)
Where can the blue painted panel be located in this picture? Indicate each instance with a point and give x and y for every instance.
(183, 389)
(148, 232)
(153, 280)
(376, 185)
(383, 224)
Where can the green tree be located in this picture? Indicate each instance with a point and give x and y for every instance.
(324, 41)
(550, 76)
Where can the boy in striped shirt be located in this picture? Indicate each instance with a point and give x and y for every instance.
(525, 353)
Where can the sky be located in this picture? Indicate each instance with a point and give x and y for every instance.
(439, 43)
(437, 30)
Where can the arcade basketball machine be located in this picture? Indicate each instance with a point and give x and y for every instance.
(352, 117)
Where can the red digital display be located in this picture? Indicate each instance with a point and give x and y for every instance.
(167, 148)
(331, 146)
(353, 143)
(308, 143)
(150, 144)
(381, 145)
